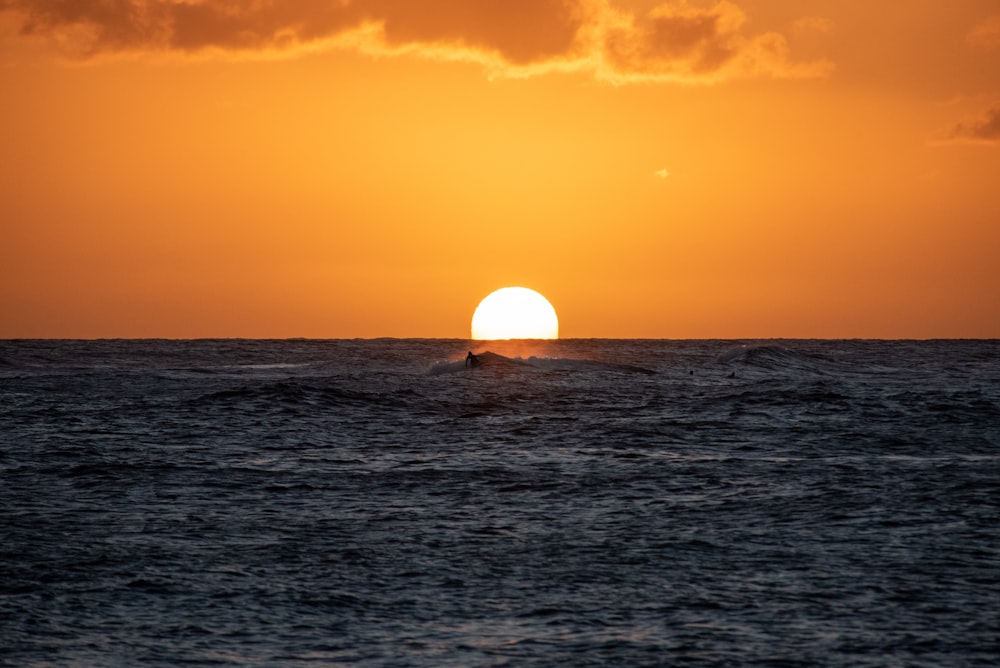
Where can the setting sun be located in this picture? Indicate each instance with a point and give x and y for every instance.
(515, 313)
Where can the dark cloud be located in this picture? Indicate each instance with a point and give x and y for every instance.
(520, 31)
(985, 129)
(193, 27)
(514, 37)
(140, 25)
(676, 41)
(667, 39)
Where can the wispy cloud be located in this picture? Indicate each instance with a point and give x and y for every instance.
(986, 34)
(672, 42)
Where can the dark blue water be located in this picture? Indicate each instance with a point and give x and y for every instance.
(376, 503)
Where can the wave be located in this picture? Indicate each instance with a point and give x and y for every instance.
(496, 362)
(778, 358)
(289, 394)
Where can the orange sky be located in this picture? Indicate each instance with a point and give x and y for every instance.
(366, 168)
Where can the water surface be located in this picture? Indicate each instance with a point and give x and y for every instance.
(587, 502)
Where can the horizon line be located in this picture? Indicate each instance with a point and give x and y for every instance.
(482, 341)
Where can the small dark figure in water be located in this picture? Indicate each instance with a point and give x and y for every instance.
(471, 360)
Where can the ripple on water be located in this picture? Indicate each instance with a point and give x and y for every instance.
(302, 502)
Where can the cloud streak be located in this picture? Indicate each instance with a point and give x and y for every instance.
(983, 130)
(672, 42)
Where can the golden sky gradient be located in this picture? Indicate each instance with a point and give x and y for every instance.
(366, 168)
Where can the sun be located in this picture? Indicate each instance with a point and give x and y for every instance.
(515, 313)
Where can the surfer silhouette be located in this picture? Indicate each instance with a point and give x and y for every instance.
(471, 360)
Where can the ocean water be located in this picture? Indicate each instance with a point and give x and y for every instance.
(576, 502)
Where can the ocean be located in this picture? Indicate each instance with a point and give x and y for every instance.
(571, 502)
